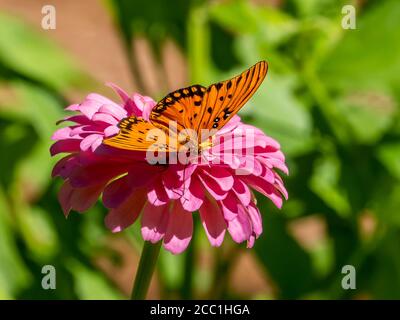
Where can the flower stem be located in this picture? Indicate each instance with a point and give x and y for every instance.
(145, 270)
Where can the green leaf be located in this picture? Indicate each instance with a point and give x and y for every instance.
(382, 272)
(325, 183)
(171, 269)
(290, 268)
(389, 155)
(266, 23)
(40, 109)
(369, 114)
(34, 56)
(386, 204)
(91, 285)
(14, 275)
(39, 233)
(362, 58)
(276, 110)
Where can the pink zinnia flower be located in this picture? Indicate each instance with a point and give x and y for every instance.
(219, 187)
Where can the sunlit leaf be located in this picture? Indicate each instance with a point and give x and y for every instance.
(291, 268)
(325, 183)
(34, 55)
(363, 57)
(389, 154)
(91, 285)
(281, 115)
(13, 273)
(266, 23)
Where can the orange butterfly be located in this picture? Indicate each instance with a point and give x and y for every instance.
(193, 108)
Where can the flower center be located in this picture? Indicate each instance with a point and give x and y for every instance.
(206, 144)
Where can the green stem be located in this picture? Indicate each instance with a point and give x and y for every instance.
(147, 264)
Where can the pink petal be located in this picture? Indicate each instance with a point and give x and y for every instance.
(213, 222)
(114, 110)
(249, 165)
(279, 185)
(105, 117)
(64, 197)
(61, 165)
(111, 130)
(240, 227)
(126, 214)
(91, 141)
(154, 222)
(98, 98)
(230, 206)
(242, 191)
(255, 217)
(217, 181)
(250, 242)
(73, 107)
(96, 173)
(264, 187)
(83, 131)
(84, 198)
(61, 146)
(221, 176)
(231, 125)
(144, 105)
(274, 163)
(193, 196)
(179, 230)
(61, 134)
(123, 95)
(157, 195)
(139, 175)
(89, 107)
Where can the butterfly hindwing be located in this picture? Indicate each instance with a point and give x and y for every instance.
(194, 107)
(139, 134)
(224, 99)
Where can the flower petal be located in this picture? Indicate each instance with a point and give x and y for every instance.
(62, 146)
(193, 196)
(126, 214)
(255, 218)
(84, 198)
(213, 222)
(179, 230)
(240, 227)
(91, 141)
(264, 187)
(64, 197)
(242, 191)
(154, 222)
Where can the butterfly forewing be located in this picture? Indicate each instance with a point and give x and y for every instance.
(224, 99)
(181, 106)
(191, 108)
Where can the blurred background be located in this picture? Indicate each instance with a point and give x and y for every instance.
(331, 99)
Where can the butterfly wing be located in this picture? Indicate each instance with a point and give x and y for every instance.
(224, 99)
(140, 135)
(181, 106)
(194, 107)
(171, 115)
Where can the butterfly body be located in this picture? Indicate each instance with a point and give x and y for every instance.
(188, 118)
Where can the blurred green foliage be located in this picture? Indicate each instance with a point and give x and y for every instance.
(331, 99)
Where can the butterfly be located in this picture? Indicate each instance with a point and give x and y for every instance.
(189, 110)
